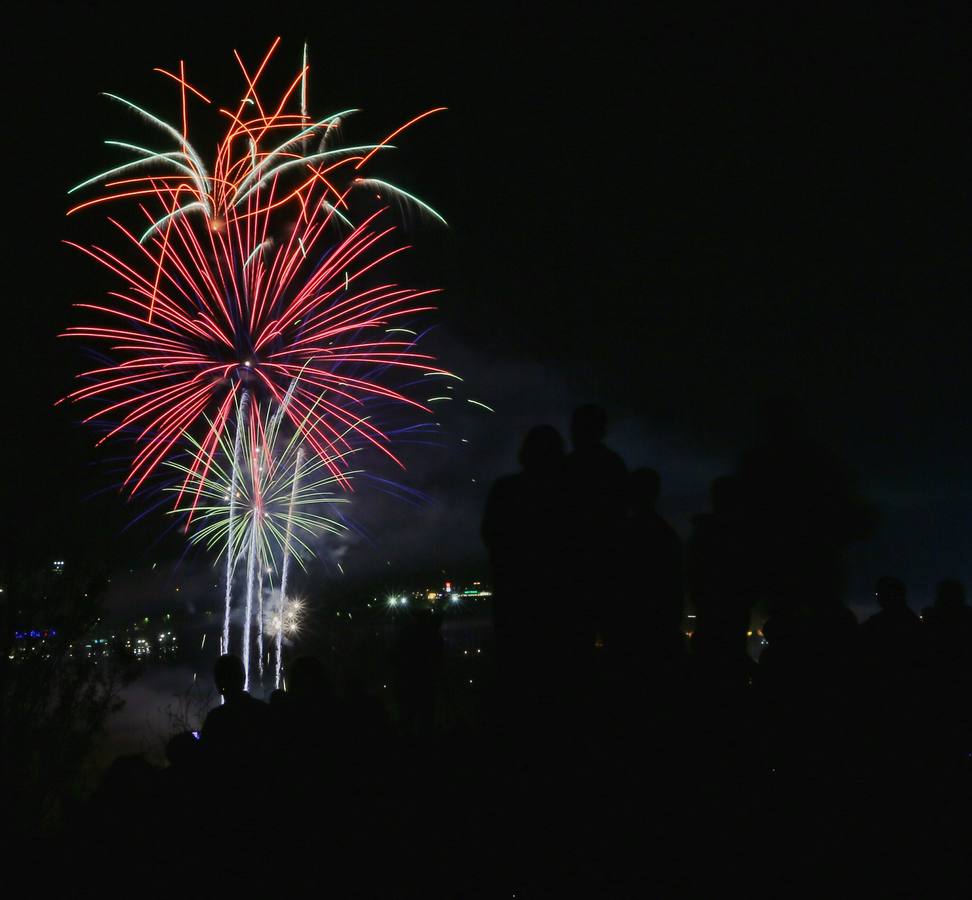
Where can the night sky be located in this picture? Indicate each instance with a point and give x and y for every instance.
(676, 218)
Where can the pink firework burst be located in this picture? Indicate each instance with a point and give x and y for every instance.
(249, 279)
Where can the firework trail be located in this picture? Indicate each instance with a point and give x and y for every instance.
(285, 565)
(247, 622)
(259, 618)
(234, 486)
(260, 502)
(287, 486)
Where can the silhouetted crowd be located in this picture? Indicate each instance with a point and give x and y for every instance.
(621, 753)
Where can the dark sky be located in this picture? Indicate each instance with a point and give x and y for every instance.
(677, 217)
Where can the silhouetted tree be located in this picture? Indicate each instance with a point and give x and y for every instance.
(56, 700)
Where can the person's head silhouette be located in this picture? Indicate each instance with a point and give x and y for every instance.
(950, 595)
(890, 593)
(588, 426)
(645, 487)
(229, 675)
(543, 449)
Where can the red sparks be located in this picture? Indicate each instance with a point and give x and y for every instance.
(242, 283)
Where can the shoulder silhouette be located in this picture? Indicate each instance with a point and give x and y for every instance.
(644, 617)
(237, 728)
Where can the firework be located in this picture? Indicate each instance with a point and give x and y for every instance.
(242, 276)
(273, 493)
(235, 463)
(251, 339)
(260, 500)
(288, 618)
(285, 566)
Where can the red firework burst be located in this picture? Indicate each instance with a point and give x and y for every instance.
(244, 279)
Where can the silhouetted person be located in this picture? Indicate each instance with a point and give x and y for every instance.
(807, 684)
(525, 528)
(598, 491)
(720, 576)
(310, 700)
(595, 469)
(279, 702)
(949, 625)
(892, 655)
(235, 731)
(892, 638)
(803, 511)
(309, 731)
(643, 627)
(182, 779)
